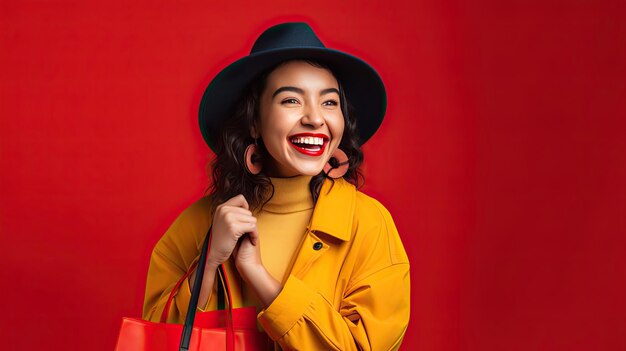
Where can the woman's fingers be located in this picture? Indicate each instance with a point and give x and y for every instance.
(233, 217)
(235, 209)
(254, 236)
(239, 224)
(240, 228)
(231, 221)
(237, 201)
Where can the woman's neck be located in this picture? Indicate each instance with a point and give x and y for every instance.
(290, 195)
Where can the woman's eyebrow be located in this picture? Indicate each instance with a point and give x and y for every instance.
(301, 92)
(288, 88)
(328, 91)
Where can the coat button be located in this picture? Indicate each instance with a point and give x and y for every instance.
(317, 246)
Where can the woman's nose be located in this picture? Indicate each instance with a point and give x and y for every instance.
(313, 117)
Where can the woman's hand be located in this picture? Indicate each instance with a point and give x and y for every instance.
(231, 221)
(247, 256)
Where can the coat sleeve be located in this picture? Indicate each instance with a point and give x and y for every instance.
(171, 258)
(374, 311)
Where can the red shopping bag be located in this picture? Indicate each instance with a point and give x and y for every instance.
(225, 329)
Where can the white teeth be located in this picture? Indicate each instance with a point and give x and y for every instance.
(308, 140)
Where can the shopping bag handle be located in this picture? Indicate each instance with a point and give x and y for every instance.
(220, 293)
(193, 302)
(222, 286)
(195, 294)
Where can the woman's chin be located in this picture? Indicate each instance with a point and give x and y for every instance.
(304, 170)
(295, 167)
(312, 172)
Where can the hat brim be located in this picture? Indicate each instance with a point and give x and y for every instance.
(363, 87)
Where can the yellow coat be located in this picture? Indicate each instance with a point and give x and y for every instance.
(350, 294)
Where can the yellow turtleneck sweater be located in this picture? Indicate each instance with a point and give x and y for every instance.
(282, 223)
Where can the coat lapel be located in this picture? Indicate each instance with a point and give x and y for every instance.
(332, 216)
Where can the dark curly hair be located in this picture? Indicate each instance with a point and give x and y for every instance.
(229, 175)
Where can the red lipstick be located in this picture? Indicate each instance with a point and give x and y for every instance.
(309, 149)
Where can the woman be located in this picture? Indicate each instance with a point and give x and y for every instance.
(322, 262)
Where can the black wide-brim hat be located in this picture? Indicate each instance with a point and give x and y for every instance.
(363, 87)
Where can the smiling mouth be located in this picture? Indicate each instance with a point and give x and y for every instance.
(312, 145)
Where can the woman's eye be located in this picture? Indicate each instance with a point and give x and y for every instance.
(330, 103)
(290, 101)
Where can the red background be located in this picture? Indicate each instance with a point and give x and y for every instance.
(502, 158)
